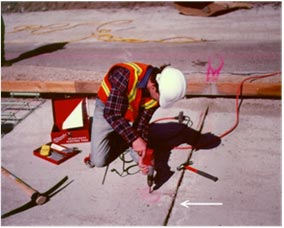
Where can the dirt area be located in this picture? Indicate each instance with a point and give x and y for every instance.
(15, 7)
(21, 7)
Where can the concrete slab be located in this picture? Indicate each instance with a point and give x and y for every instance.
(247, 163)
(156, 24)
(83, 44)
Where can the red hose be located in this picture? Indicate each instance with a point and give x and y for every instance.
(238, 94)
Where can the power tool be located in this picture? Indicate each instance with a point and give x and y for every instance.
(148, 160)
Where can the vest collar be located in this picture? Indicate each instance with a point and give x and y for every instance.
(143, 83)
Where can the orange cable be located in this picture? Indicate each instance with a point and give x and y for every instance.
(238, 94)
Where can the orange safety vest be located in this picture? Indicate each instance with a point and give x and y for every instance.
(134, 94)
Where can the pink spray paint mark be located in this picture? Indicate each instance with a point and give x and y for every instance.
(213, 74)
(152, 198)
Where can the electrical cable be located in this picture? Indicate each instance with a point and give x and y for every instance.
(237, 111)
(239, 93)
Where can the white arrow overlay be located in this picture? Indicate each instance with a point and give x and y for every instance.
(187, 204)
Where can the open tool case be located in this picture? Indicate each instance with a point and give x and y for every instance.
(71, 121)
(56, 153)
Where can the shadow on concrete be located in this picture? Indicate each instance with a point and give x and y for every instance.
(32, 203)
(6, 128)
(163, 137)
(38, 51)
(29, 54)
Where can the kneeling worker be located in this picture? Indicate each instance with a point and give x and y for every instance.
(129, 95)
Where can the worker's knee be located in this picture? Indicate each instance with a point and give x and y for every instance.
(99, 154)
(98, 160)
(99, 163)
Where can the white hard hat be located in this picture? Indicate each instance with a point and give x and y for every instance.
(172, 86)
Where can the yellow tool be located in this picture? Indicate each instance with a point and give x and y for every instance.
(45, 150)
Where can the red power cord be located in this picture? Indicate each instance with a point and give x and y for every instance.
(238, 94)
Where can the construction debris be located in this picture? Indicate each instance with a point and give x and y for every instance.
(210, 9)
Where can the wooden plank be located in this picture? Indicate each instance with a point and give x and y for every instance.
(266, 89)
(251, 89)
(38, 86)
(86, 87)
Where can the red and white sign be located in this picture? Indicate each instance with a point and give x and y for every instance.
(71, 121)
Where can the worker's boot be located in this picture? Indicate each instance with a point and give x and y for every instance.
(88, 162)
(208, 141)
(162, 177)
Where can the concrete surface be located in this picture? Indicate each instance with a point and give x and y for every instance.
(86, 42)
(140, 25)
(247, 163)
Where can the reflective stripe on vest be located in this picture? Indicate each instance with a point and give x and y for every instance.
(105, 87)
(134, 94)
(137, 73)
(150, 104)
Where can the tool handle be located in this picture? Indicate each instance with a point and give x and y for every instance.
(24, 186)
(207, 175)
(180, 117)
(148, 159)
(202, 173)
